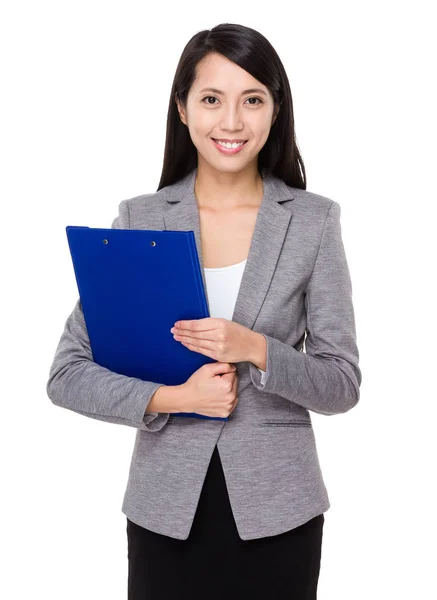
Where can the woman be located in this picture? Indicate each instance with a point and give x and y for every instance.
(232, 509)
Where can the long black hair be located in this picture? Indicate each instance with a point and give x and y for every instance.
(250, 50)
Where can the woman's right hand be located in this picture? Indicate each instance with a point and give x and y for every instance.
(212, 390)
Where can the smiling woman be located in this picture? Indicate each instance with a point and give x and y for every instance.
(236, 117)
(231, 509)
(234, 127)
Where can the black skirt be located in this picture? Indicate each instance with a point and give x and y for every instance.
(214, 562)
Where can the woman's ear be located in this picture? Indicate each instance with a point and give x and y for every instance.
(275, 115)
(180, 109)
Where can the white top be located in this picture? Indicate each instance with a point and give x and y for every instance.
(223, 284)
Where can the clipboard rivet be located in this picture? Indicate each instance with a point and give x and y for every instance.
(105, 241)
(153, 243)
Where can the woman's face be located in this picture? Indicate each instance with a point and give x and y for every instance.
(232, 113)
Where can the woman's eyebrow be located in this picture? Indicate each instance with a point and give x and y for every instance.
(249, 91)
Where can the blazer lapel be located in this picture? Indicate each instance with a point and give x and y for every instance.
(268, 237)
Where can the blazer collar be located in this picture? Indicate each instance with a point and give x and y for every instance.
(268, 237)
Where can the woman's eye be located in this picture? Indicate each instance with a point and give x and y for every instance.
(252, 98)
(208, 98)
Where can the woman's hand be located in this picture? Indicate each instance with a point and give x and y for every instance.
(211, 390)
(220, 339)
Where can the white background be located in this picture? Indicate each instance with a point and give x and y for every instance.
(85, 91)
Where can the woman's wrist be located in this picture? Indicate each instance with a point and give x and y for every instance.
(167, 399)
(259, 351)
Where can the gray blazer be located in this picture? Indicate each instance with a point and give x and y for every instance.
(296, 291)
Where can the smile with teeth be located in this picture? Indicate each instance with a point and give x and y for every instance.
(229, 145)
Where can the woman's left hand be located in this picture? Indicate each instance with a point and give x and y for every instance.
(220, 339)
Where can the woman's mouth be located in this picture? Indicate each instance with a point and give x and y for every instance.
(227, 148)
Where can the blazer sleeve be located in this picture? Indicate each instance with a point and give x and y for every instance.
(78, 383)
(326, 378)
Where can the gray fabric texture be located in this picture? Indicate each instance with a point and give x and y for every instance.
(296, 291)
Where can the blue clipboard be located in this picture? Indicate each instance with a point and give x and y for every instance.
(134, 284)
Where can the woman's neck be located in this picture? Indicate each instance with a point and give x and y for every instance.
(228, 190)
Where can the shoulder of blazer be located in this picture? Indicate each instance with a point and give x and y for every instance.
(146, 205)
(310, 208)
(305, 197)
